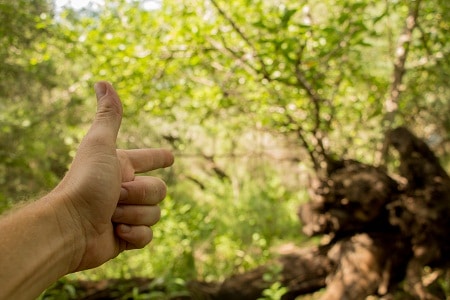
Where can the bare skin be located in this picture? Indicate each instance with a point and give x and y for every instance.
(98, 210)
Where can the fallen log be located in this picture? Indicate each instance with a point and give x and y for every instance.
(302, 271)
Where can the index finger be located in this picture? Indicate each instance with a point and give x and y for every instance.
(144, 160)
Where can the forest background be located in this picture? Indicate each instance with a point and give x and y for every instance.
(244, 92)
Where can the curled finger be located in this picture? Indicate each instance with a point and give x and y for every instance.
(143, 190)
(135, 237)
(137, 214)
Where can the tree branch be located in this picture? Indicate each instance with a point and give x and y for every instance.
(243, 37)
(401, 54)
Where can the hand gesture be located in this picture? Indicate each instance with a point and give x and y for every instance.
(102, 197)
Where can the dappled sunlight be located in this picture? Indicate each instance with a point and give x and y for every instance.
(268, 106)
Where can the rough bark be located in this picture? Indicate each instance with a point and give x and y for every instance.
(423, 211)
(384, 230)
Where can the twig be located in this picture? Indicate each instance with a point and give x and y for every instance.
(243, 37)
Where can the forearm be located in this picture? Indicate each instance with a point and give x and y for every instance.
(36, 249)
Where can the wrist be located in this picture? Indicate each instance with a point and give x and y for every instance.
(40, 243)
(68, 228)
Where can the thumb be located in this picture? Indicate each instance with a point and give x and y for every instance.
(109, 113)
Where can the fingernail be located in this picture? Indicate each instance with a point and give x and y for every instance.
(124, 228)
(100, 89)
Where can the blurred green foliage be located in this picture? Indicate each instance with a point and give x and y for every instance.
(240, 90)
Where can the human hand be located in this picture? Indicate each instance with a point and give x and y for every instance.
(100, 195)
